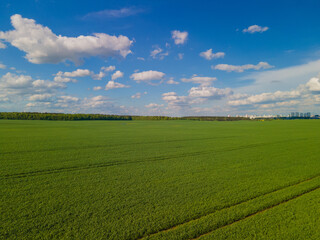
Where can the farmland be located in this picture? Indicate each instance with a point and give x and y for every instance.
(176, 179)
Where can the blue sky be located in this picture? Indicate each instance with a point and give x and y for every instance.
(160, 57)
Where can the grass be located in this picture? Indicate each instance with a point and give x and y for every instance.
(159, 180)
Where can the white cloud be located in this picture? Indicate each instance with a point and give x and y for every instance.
(59, 78)
(255, 28)
(235, 68)
(197, 95)
(116, 75)
(114, 13)
(136, 96)
(140, 58)
(179, 37)
(77, 73)
(67, 99)
(4, 98)
(97, 88)
(154, 105)
(171, 81)
(45, 85)
(155, 52)
(41, 97)
(199, 80)
(210, 55)
(147, 76)
(265, 98)
(237, 96)
(16, 89)
(10, 80)
(209, 92)
(41, 45)
(174, 101)
(158, 53)
(108, 69)
(113, 84)
(98, 76)
(95, 102)
(281, 79)
(2, 46)
(313, 85)
(180, 56)
(39, 104)
(2, 66)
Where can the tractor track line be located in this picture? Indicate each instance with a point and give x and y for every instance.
(116, 163)
(230, 206)
(260, 211)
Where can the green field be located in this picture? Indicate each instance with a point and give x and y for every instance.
(159, 179)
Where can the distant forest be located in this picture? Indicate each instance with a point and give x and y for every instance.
(80, 116)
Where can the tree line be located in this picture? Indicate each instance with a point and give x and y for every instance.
(59, 116)
(81, 116)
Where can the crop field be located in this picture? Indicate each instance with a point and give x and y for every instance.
(159, 179)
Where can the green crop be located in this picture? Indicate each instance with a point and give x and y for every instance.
(178, 179)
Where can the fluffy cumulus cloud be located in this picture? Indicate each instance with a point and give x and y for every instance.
(77, 73)
(97, 88)
(138, 95)
(254, 29)
(108, 69)
(242, 68)
(2, 66)
(210, 55)
(172, 81)
(41, 45)
(313, 85)
(67, 99)
(158, 53)
(175, 101)
(155, 52)
(209, 92)
(199, 80)
(17, 89)
(22, 92)
(112, 85)
(95, 102)
(154, 105)
(197, 95)
(59, 78)
(116, 75)
(147, 76)
(179, 37)
(266, 98)
(41, 97)
(46, 85)
(67, 76)
(13, 81)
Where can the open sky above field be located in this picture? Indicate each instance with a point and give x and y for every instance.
(160, 57)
